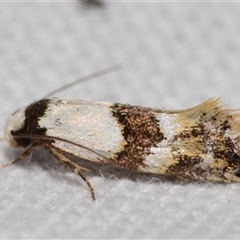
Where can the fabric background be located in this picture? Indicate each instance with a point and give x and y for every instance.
(174, 55)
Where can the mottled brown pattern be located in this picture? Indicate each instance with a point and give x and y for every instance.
(212, 141)
(187, 167)
(230, 154)
(140, 131)
(32, 114)
(196, 131)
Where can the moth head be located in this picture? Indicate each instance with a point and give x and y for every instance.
(14, 122)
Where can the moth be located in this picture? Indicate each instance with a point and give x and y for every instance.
(201, 143)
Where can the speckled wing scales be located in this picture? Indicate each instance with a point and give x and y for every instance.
(199, 143)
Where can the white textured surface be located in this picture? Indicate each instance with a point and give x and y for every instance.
(175, 55)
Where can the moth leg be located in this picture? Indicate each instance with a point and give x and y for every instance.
(59, 151)
(75, 168)
(23, 156)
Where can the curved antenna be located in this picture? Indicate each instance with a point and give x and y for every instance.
(86, 78)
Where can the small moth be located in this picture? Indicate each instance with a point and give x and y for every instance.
(201, 143)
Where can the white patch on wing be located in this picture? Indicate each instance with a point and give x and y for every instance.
(88, 124)
(169, 124)
(159, 159)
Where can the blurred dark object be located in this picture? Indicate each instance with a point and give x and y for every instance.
(93, 3)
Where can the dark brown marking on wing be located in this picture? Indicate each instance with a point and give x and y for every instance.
(141, 132)
(229, 153)
(212, 141)
(187, 167)
(32, 115)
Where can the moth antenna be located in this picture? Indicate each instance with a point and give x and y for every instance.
(86, 78)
